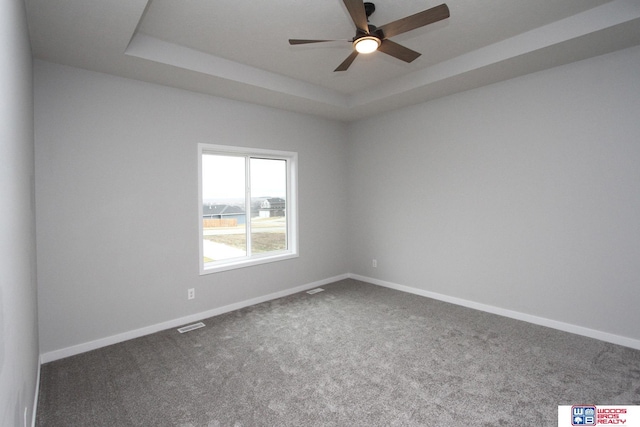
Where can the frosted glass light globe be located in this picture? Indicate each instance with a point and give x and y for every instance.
(367, 44)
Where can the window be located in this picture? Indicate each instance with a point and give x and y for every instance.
(247, 210)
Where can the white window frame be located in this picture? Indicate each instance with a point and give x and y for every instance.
(291, 207)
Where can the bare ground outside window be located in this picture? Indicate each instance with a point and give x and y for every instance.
(267, 235)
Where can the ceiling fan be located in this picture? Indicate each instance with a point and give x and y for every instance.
(370, 38)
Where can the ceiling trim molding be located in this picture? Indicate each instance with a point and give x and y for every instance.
(153, 49)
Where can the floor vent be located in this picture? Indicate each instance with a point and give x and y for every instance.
(191, 327)
(315, 291)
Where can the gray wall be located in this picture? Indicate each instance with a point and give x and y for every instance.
(523, 195)
(18, 311)
(117, 215)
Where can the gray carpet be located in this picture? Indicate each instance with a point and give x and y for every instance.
(354, 355)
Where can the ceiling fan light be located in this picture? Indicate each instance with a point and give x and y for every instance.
(367, 44)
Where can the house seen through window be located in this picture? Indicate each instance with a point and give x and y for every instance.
(248, 207)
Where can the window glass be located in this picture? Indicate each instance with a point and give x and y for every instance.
(223, 211)
(268, 205)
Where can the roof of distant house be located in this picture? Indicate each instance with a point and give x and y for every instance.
(212, 209)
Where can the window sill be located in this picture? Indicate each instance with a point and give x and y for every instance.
(219, 266)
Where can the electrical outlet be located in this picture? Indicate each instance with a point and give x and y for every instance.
(375, 263)
(191, 293)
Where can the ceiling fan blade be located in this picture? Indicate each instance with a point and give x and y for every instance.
(398, 51)
(418, 20)
(358, 14)
(303, 41)
(347, 62)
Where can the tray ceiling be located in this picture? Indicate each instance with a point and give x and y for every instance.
(239, 50)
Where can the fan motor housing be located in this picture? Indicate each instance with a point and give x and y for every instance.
(373, 31)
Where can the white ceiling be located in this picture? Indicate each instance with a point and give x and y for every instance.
(239, 49)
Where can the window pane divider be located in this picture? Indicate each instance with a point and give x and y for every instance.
(247, 205)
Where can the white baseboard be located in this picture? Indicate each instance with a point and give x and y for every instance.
(566, 327)
(114, 339)
(554, 324)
